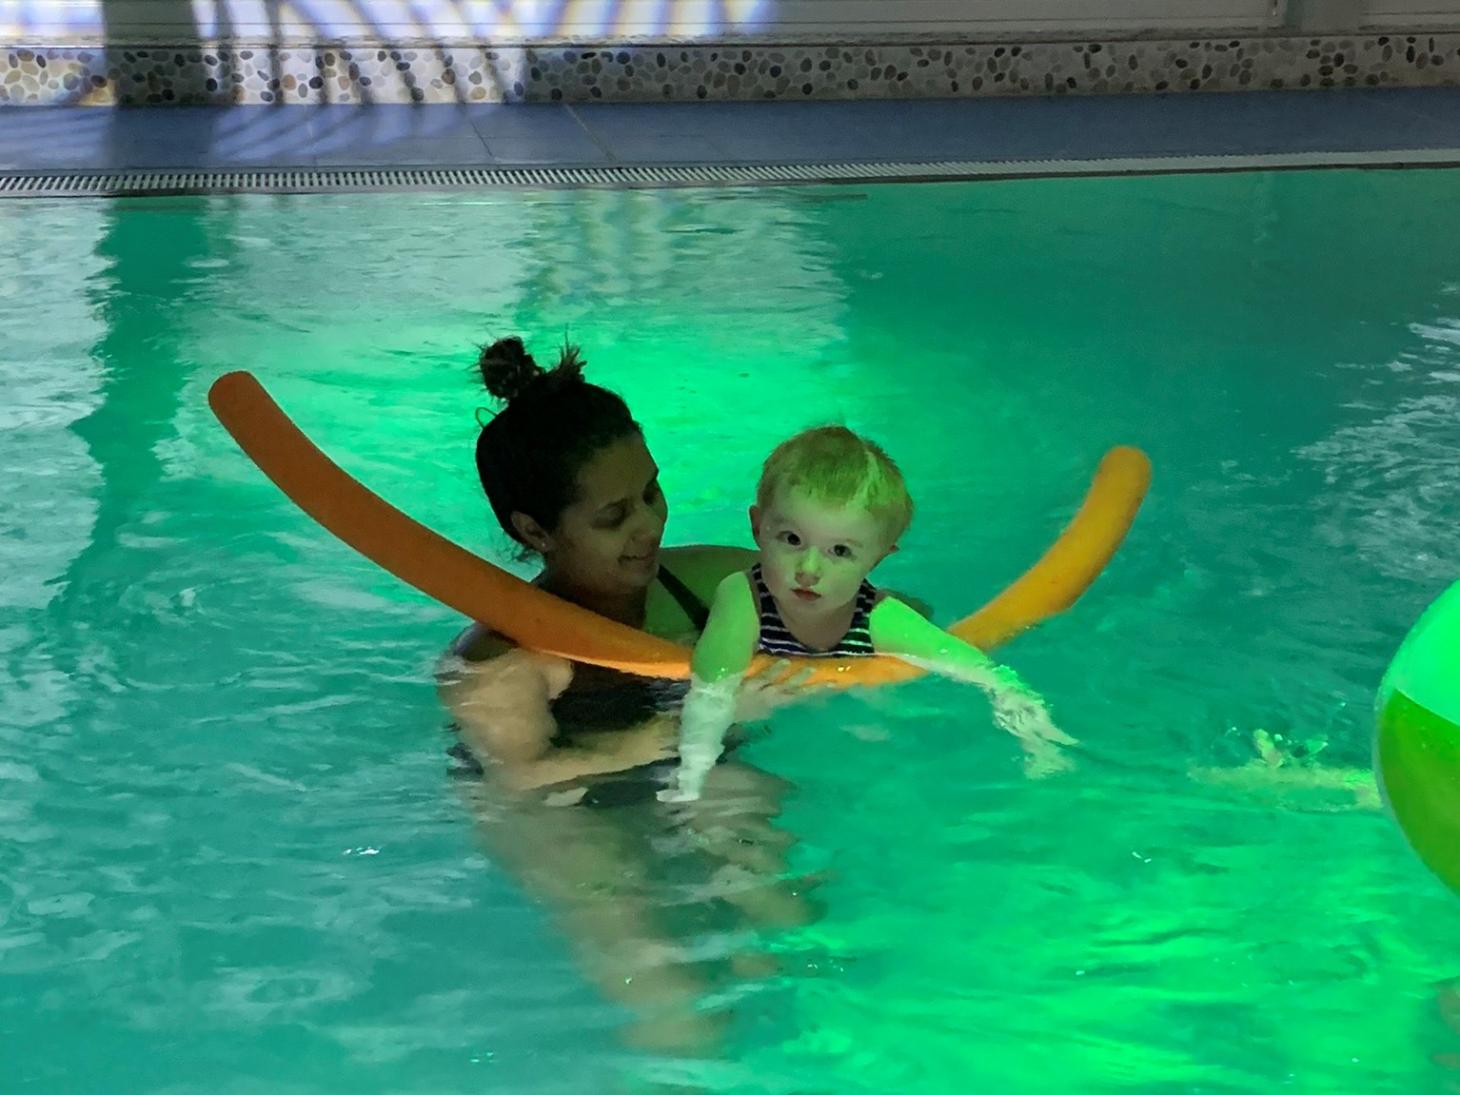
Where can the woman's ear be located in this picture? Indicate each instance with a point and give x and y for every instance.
(533, 534)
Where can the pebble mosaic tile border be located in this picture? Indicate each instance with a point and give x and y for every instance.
(383, 73)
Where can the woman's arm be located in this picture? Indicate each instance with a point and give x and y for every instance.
(703, 567)
(502, 706)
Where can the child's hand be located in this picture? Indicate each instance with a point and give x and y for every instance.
(686, 785)
(688, 781)
(1024, 715)
(1042, 759)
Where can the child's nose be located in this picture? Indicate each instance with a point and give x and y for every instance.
(808, 567)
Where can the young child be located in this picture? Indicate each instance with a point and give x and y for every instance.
(830, 506)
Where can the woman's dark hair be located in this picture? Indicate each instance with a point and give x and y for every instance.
(552, 423)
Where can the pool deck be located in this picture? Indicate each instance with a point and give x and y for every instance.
(1315, 127)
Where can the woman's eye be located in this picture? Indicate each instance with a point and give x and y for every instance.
(653, 492)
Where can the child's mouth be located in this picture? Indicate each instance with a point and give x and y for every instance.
(807, 594)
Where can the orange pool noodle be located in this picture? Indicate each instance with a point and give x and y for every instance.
(537, 620)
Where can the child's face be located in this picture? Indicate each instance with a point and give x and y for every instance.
(814, 556)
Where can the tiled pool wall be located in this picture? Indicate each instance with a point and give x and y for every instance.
(382, 72)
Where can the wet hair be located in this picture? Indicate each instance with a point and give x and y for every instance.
(551, 424)
(836, 467)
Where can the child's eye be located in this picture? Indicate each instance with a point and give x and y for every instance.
(842, 551)
(790, 539)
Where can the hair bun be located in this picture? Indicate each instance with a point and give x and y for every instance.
(507, 368)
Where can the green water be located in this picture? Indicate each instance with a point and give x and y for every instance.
(231, 856)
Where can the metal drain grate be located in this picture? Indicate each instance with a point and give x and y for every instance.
(311, 180)
(333, 180)
(315, 180)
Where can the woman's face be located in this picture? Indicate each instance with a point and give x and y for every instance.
(607, 540)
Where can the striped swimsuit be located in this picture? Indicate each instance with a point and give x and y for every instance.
(776, 639)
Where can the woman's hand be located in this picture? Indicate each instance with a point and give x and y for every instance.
(655, 740)
(773, 688)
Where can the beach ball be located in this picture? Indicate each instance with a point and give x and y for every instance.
(1417, 739)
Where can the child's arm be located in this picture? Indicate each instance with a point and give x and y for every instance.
(899, 631)
(717, 667)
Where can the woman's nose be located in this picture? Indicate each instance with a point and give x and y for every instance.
(651, 521)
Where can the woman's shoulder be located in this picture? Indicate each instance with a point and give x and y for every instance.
(703, 567)
(481, 657)
(479, 643)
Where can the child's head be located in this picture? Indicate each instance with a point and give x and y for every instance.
(830, 506)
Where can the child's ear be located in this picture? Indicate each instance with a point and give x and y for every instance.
(755, 522)
(890, 549)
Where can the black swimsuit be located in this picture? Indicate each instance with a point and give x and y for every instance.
(601, 700)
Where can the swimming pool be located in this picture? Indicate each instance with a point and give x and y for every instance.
(234, 857)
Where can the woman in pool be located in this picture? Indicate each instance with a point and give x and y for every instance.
(569, 477)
